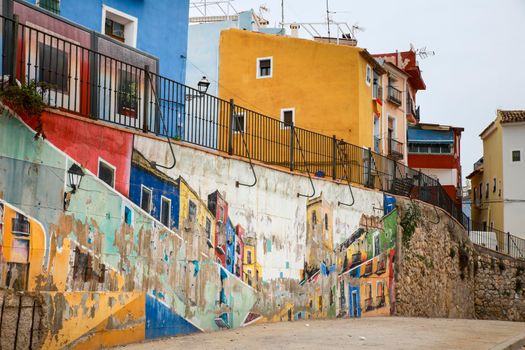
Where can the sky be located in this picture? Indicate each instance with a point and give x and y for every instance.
(479, 45)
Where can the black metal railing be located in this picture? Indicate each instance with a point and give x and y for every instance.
(497, 240)
(87, 83)
(50, 5)
(395, 149)
(394, 95)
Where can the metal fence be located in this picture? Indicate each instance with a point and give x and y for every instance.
(82, 81)
(497, 240)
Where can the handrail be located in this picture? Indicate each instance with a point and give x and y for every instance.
(153, 163)
(347, 179)
(305, 165)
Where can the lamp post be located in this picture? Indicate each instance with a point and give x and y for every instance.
(74, 175)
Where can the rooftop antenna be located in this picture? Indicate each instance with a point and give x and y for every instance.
(423, 53)
(328, 18)
(357, 28)
(282, 15)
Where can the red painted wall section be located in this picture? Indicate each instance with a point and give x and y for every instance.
(87, 142)
(418, 161)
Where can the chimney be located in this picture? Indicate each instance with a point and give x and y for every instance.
(294, 27)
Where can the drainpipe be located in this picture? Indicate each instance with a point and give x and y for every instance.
(405, 148)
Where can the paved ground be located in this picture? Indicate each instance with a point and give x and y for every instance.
(370, 333)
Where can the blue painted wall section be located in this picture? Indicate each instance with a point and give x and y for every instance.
(161, 321)
(162, 27)
(230, 246)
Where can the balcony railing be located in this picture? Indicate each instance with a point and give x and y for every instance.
(92, 85)
(369, 304)
(20, 226)
(395, 149)
(394, 95)
(497, 240)
(380, 301)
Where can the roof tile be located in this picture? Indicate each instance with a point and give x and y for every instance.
(515, 116)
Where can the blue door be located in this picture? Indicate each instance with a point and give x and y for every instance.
(354, 307)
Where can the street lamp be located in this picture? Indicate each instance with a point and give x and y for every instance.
(203, 85)
(74, 175)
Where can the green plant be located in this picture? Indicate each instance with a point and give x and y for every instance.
(519, 286)
(501, 265)
(519, 270)
(452, 253)
(27, 99)
(409, 222)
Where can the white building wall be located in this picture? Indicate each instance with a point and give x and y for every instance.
(446, 177)
(514, 179)
(271, 208)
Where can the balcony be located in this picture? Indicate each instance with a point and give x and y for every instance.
(377, 144)
(394, 95)
(20, 226)
(395, 149)
(380, 301)
(356, 259)
(369, 269)
(369, 304)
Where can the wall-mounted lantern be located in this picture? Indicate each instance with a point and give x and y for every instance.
(74, 175)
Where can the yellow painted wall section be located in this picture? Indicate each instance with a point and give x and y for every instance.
(325, 83)
(493, 168)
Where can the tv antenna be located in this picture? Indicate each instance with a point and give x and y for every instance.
(328, 17)
(423, 52)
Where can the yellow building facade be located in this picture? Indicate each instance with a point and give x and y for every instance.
(326, 88)
(487, 206)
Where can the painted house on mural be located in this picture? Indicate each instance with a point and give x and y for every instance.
(436, 151)
(231, 237)
(155, 192)
(497, 190)
(252, 270)
(158, 27)
(219, 207)
(296, 81)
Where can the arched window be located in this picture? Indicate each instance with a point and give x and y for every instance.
(326, 221)
(314, 218)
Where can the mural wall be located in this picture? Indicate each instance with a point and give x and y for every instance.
(188, 251)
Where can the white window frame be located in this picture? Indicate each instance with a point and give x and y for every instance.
(236, 115)
(258, 70)
(114, 168)
(162, 198)
(368, 75)
(142, 188)
(130, 28)
(282, 117)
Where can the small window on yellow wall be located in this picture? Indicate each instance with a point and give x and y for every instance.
(264, 67)
(368, 74)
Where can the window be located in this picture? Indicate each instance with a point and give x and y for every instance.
(480, 191)
(487, 191)
(377, 245)
(165, 211)
(106, 172)
(516, 156)
(114, 29)
(264, 67)
(192, 210)
(208, 228)
(50, 5)
(127, 101)
(221, 214)
(287, 117)
(239, 123)
(494, 186)
(53, 67)
(368, 75)
(145, 199)
(249, 257)
(425, 148)
(314, 218)
(326, 221)
(119, 26)
(128, 215)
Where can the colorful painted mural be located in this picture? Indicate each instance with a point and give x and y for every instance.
(165, 261)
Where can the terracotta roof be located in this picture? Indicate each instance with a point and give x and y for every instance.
(516, 116)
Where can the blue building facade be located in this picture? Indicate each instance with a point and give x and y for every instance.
(159, 27)
(161, 189)
(230, 246)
